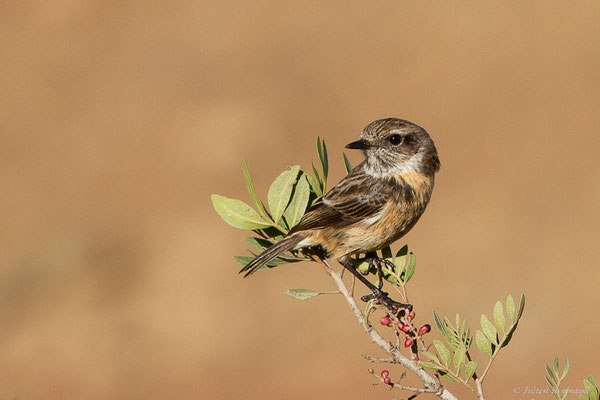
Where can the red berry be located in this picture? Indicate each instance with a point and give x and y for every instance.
(385, 373)
(425, 329)
(410, 316)
(385, 321)
(405, 328)
(387, 380)
(408, 342)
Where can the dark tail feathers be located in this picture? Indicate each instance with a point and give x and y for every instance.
(280, 247)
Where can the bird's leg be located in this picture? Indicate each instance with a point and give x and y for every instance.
(376, 291)
(374, 262)
(372, 258)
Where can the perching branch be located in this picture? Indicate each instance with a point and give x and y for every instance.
(430, 385)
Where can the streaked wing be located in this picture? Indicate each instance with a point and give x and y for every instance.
(355, 197)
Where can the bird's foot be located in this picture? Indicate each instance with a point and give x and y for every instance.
(386, 301)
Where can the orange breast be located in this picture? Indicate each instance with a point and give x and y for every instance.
(396, 219)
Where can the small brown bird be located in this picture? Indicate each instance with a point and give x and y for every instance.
(377, 203)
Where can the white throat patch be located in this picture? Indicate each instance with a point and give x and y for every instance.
(410, 165)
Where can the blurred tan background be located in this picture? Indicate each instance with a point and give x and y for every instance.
(119, 119)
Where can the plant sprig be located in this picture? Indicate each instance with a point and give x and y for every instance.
(554, 379)
(288, 198)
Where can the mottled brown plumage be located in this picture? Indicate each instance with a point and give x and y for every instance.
(377, 203)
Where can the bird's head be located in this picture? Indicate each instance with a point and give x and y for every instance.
(393, 145)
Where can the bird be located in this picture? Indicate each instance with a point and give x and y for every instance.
(377, 203)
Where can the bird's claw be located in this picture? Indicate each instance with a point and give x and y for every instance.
(386, 301)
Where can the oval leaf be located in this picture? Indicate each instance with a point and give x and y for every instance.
(499, 317)
(489, 329)
(259, 243)
(386, 252)
(410, 267)
(566, 369)
(510, 308)
(442, 351)
(237, 213)
(431, 356)
(314, 185)
(302, 294)
(483, 343)
(448, 377)
(280, 192)
(460, 355)
(590, 387)
(429, 365)
(470, 369)
(294, 212)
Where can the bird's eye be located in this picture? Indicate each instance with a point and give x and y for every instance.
(395, 139)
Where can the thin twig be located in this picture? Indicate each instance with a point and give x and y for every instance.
(380, 360)
(399, 386)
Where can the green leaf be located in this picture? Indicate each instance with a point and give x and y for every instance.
(272, 232)
(259, 204)
(442, 351)
(499, 317)
(460, 355)
(521, 307)
(565, 370)
(591, 379)
(555, 366)
(470, 369)
(551, 375)
(410, 267)
(314, 185)
(294, 212)
(316, 172)
(591, 388)
(259, 243)
(386, 252)
(402, 252)
(438, 323)
(302, 294)
(429, 365)
(512, 328)
(280, 192)
(431, 356)
(322, 150)
(483, 343)
(237, 213)
(244, 260)
(362, 267)
(489, 329)
(510, 308)
(347, 164)
(550, 384)
(448, 377)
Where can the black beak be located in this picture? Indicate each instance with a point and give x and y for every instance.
(358, 145)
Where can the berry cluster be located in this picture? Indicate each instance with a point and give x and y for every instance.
(385, 374)
(407, 328)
